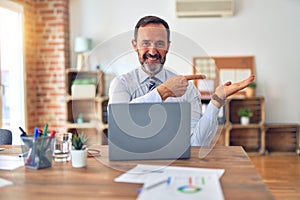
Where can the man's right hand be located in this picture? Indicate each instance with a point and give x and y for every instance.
(176, 86)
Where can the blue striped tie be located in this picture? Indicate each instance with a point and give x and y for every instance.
(151, 85)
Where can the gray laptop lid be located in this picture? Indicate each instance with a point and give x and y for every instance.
(145, 131)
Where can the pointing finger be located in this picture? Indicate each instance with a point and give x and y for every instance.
(195, 77)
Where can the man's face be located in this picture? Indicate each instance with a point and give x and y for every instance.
(152, 47)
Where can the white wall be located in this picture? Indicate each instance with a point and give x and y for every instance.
(267, 29)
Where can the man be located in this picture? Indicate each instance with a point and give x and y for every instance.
(152, 83)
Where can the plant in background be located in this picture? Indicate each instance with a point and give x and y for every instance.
(252, 85)
(251, 89)
(79, 141)
(245, 112)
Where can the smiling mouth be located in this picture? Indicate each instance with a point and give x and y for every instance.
(152, 58)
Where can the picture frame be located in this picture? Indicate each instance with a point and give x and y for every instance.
(220, 69)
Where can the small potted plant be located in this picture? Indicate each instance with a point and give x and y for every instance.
(251, 89)
(245, 114)
(79, 150)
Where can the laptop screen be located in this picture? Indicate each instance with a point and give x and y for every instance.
(149, 131)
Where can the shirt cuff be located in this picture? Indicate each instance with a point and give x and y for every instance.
(152, 96)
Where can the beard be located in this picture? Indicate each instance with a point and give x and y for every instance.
(152, 67)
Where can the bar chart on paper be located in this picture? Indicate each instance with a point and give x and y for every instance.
(183, 187)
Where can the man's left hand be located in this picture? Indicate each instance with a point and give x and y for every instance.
(228, 89)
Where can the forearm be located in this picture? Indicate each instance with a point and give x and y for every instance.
(203, 130)
(152, 96)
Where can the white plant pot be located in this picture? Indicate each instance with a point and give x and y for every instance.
(245, 120)
(79, 158)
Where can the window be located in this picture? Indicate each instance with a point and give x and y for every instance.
(11, 65)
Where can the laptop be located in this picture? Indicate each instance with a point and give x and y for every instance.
(149, 131)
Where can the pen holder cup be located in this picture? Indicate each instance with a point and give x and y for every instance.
(37, 152)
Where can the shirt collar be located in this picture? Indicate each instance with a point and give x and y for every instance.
(144, 76)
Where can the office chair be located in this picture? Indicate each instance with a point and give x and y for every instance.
(5, 136)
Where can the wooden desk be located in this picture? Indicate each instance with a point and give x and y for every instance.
(96, 181)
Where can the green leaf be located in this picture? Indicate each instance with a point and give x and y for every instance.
(79, 141)
(245, 112)
(252, 85)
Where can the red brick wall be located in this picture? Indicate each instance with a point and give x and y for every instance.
(46, 41)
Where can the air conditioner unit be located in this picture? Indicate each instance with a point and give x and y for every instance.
(204, 8)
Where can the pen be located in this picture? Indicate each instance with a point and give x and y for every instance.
(168, 181)
(36, 133)
(35, 136)
(52, 134)
(23, 132)
(156, 184)
(21, 155)
(40, 132)
(45, 129)
(28, 158)
(43, 141)
(45, 135)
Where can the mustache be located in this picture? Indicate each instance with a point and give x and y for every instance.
(147, 55)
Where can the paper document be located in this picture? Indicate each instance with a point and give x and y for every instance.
(170, 182)
(146, 173)
(10, 162)
(185, 187)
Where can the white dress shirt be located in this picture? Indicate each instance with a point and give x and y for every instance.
(133, 87)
